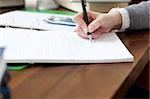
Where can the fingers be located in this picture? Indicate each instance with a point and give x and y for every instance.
(94, 25)
(97, 33)
(78, 19)
(80, 32)
(93, 15)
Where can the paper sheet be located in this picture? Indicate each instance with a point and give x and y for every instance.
(31, 20)
(29, 46)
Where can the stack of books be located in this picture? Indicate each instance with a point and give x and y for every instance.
(2, 70)
(4, 91)
(2, 65)
(94, 5)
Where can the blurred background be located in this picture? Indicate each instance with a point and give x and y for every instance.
(73, 5)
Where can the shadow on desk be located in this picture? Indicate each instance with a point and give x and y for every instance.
(137, 92)
(140, 89)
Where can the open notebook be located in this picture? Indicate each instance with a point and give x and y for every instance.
(31, 46)
(33, 20)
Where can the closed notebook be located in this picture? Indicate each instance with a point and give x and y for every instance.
(31, 46)
(2, 65)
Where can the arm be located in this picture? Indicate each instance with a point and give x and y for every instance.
(133, 17)
(139, 15)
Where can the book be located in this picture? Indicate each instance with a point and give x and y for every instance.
(4, 90)
(94, 5)
(2, 64)
(32, 46)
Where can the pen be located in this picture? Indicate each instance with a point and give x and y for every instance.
(85, 17)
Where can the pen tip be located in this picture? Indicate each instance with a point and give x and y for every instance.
(90, 37)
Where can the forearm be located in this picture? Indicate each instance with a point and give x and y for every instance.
(139, 15)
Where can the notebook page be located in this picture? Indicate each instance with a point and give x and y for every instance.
(35, 20)
(61, 47)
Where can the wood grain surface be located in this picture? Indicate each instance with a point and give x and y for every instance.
(83, 81)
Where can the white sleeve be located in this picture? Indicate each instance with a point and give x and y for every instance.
(125, 18)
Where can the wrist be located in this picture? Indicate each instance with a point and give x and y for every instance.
(117, 19)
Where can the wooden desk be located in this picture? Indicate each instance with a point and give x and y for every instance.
(83, 81)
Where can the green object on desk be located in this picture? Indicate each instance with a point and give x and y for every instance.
(50, 11)
(22, 66)
(17, 66)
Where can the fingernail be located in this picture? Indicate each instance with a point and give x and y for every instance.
(90, 28)
(85, 30)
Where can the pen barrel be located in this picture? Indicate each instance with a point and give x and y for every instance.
(85, 16)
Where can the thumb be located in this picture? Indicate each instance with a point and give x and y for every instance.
(94, 25)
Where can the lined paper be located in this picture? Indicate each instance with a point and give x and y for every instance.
(31, 46)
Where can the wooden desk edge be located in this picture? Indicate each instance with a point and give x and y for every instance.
(133, 75)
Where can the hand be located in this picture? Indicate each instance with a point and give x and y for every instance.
(99, 23)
